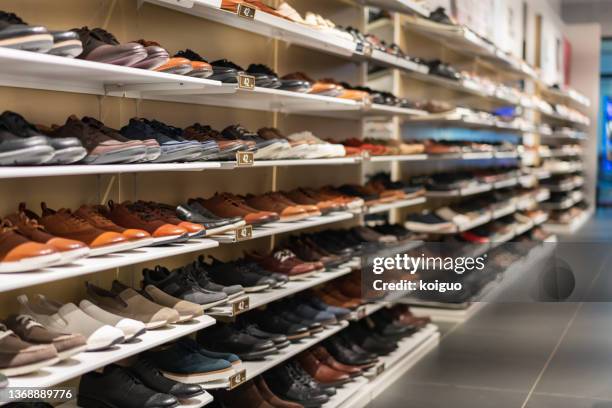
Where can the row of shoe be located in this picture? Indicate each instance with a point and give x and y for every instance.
(562, 166)
(90, 141)
(567, 216)
(57, 237)
(315, 375)
(463, 180)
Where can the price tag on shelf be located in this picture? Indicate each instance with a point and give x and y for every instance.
(246, 82)
(245, 159)
(359, 47)
(380, 369)
(246, 11)
(240, 306)
(237, 379)
(244, 233)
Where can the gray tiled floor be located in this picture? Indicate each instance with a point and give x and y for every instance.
(539, 355)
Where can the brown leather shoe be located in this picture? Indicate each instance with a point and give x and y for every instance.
(167, 213)
(128, 216)
(286, 262)
(95, 216)
(247, 395)
(303, 196)
(311, 209)
(267, 202)
(269, 396)
(323, 355)
(19, 254)
(66, 224)
(227, 205)
(321, 372)
(69, 249)
(334, 297)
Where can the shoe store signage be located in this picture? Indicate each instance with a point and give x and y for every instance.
(246, 82)
(237, 379)
(244, 233)
(240, 306)
(244, 159)
(246, 11)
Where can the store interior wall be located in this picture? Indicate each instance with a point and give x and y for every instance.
(589, 11)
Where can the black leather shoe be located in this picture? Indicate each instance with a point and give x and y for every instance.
(230, 273)
(345, 355)
(254, 267)
(280, 340)
(224, 337)
(371, 341)
(150, 376)
(285, 382)
(197, 270)
(118, 387)
(352, 345)
(273, 323)
(196, 207)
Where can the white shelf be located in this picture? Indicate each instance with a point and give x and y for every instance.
(396, 204)
(88, 266)
(448, 315)
(572, 227)
(306, 162)
(410, 351)
(89, 361)
(255, 368)
(262, 298)
(26, 69)
(197, 402)
(10, 172)
(264, 24)
(274, 228)
(511, 182)
(464, 192)
(465, 122)
(394, 158)
(401, 6)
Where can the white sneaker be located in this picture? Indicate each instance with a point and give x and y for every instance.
(321, 148)
(131, 328)
(446, 213)
(69, 318)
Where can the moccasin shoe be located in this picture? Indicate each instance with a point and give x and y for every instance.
(18, 357)
(131, 328)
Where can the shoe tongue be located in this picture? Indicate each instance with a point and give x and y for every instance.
(68, 308)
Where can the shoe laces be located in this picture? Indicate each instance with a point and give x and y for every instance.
(28, 321)
(5, 332)
(283, 255)
(7, 226)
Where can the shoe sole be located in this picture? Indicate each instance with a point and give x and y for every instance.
(184, 318)
(30, 264)
(226, 228)
(199, 378)
(33, 42)
(69, 257)
(419, 227)
(28, 368)
(30, 155)
(156, 325)
(198, 234)
(294, 218)
(304, 275)
(68, 155)
(283, 345)
(106, 345)
(213, 304)
(67, 354)
(68, 48)
(124, 155)
(109, 249)
(178, 155)
(296, 337)
(257, 355)
(135, 335)
(172, 239)
(259, 288)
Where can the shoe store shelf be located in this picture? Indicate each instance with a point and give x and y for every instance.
(197, 402)
(398, 158)
(465, 41)
(574, 225)
(304, 162)
(26, 69)
(385, 59)
(568, 134)
(568, 97)
(86, 266)
(73, 170)
(410, 351)
(387, 110)
(255, 368)
(274, 228)
(570, 201)
(476, 189)
(264, 24)
(560, 153)
(290, 288)
(90, 361)
(396, 204)
(440, 312)
(558, 118)
(467, 122)
(401, 6)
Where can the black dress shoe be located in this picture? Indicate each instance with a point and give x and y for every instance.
(274, 323)
(254, 267)
(313, 327)
(305, 378)
(345, 355)
(118, 387)
(195, 206)
(387, 327)
(352, 345)
(224, 337)
(370, 341)
(280, 340)
(185, 213)
(150, 376)
(286, 382)
(230, 273)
